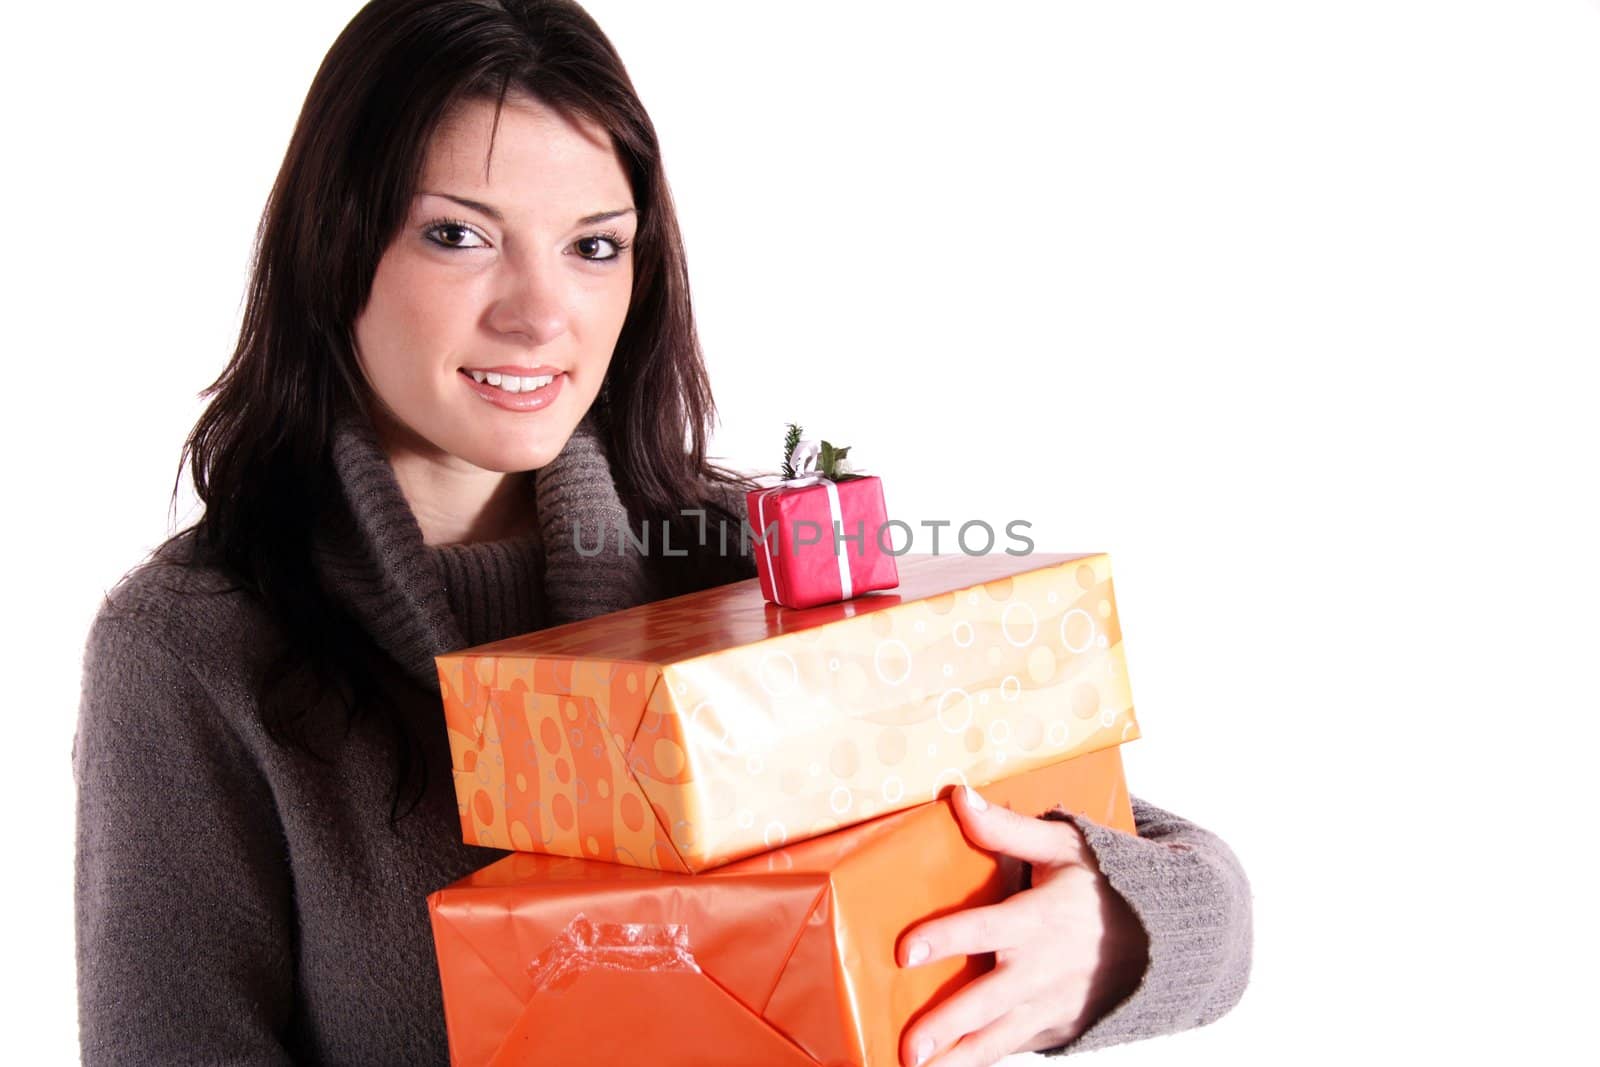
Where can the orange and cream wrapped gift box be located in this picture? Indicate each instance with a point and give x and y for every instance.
(784, 959)
(691, 732)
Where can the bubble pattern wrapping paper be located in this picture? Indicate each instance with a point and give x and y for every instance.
(690, 732)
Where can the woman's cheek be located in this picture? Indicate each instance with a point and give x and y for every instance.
(613, 305)
(439, 312)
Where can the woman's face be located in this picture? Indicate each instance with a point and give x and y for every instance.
(519, 276)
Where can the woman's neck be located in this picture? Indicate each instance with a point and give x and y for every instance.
(455, 502)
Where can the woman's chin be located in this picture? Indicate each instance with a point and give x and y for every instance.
(514, 457)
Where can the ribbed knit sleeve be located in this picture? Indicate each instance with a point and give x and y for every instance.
(1190, 894)
(184, 908)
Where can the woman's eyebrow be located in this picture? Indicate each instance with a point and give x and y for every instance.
(494, 214)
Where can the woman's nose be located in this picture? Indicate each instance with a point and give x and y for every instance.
(532, 303)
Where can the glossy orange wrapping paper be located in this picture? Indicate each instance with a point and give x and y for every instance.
(690, 732)
(786, 958)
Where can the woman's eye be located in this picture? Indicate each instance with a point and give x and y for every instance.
(452, 235)
(599, 248)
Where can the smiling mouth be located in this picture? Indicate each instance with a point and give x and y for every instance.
(510, 383)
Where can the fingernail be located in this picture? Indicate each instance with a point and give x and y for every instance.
(917, 953)
(977, 802)
(923, 1050)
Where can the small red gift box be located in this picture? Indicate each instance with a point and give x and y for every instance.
(818, 541)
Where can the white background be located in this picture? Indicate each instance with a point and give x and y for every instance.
(1289, 306)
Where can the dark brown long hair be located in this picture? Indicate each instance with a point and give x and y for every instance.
(259, 455)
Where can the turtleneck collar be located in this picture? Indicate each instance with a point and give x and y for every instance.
(419, 601)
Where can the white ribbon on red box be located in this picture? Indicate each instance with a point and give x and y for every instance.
(836, 521)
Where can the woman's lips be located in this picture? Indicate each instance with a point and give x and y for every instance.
(530, 401)
(521, 372)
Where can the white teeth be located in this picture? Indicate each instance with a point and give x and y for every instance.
(511, 383)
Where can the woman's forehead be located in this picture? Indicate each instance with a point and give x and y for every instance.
(536, 163)
(476, 134)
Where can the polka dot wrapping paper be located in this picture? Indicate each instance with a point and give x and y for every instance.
(784, 958)
(691, 732)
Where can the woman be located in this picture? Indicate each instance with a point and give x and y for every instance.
(468, 330)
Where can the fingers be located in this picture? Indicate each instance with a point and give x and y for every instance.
(1065, 913)
(989, 928)
(971, 1009)
(1002, 830)
(990, 1017)
(982, 1046)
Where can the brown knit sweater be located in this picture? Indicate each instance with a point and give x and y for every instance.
(240, 903)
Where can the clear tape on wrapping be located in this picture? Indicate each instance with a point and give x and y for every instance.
(586, 946)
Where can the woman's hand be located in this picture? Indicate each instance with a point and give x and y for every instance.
(1066, 950)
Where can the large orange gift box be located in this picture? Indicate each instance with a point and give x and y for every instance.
(785, 958)
(693, 731)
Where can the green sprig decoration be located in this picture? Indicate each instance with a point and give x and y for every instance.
(828, 459)
(790, 440)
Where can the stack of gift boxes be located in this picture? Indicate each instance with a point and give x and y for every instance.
(726, 807)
